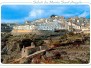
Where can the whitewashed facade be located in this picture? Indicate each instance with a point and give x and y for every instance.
(56, 24)
(24, 27)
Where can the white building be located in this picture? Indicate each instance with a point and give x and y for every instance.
(24, 27)
(56, 24)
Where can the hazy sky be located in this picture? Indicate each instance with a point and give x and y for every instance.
(21, 13)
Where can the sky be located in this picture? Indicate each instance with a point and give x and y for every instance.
(22, 13)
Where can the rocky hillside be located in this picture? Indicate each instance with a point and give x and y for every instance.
(66, 49)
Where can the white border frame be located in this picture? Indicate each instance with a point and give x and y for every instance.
(45, 64)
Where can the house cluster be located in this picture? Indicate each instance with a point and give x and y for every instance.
(54, 23)
(79, 24)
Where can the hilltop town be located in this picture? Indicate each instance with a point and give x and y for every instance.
(49, 40)
(52, 23)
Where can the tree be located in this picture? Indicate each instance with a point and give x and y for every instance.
(52, 16)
